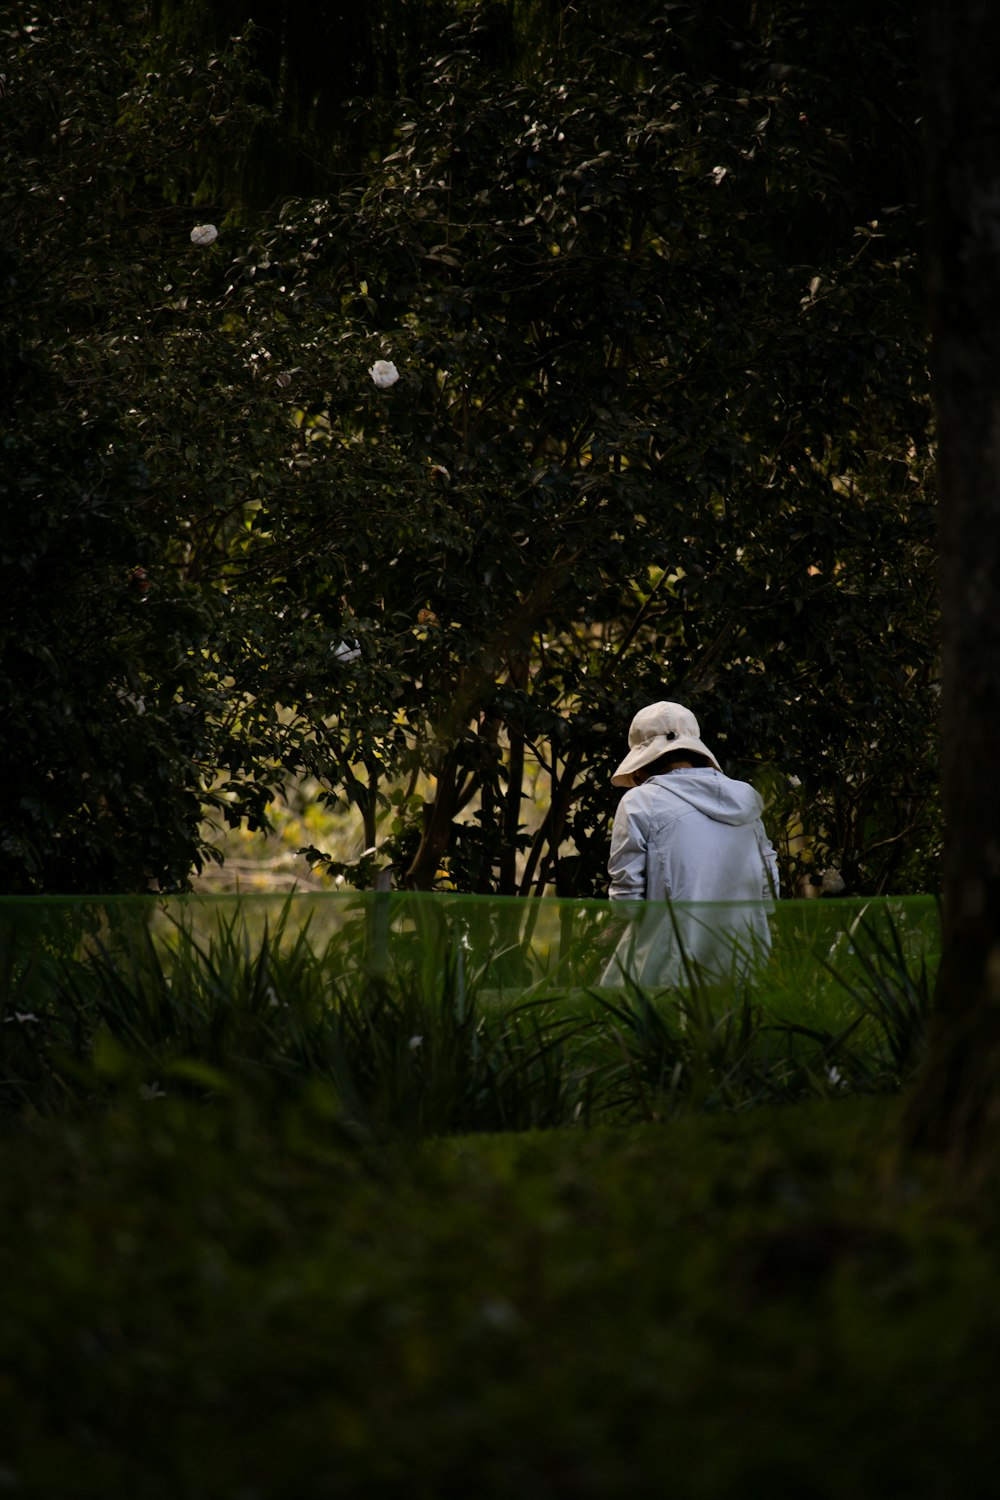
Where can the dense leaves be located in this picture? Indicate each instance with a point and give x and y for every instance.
(655, 435)
(117, 646)
(659, 431)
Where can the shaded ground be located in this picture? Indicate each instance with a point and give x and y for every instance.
(196, 1304)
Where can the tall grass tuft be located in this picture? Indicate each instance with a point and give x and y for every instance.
(406, 1062)
(708, 1046)
(424, 1047)
(404, 1054)
(700, 1049)
(893, 994)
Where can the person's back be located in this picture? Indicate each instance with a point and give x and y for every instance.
(698, 832)
(685, 833)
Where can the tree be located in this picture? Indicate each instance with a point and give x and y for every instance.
(957, 1105)
(119, 644)
(660, 406)
(320, 78)
(662, 401)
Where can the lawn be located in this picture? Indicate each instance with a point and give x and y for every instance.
(199, 1303)
(443, 1015)
(283, 1220)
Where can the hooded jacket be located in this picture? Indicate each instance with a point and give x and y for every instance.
(691, 836)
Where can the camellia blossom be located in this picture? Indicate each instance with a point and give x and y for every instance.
(204, 234)
(384, 373)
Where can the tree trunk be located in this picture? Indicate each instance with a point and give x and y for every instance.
(438, 817)
(507, 882)
(956, 1105)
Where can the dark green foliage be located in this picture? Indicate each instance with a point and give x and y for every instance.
(420, 1047)
(660, 430)
(715, 1048)
(240, 1266)
(654, 435)
(117, 643)
(704, 1053)
(322, 76)
(894, 993)
(196, 1306)
(404, 1064)
(144, 1014)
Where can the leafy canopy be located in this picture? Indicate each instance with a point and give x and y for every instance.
(660, 431)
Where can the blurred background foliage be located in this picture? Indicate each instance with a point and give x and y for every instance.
(649, 275)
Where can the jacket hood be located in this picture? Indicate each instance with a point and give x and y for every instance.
(711, 793)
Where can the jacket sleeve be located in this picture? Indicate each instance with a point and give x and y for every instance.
(627, 861)
(770, 888)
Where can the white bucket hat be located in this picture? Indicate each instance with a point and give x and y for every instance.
(654, 731)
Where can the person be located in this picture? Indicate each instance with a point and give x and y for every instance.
(686, 833)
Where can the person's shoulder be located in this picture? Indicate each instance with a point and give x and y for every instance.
(632, 795)
(639, 798)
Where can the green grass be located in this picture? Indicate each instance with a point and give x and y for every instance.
(282, 1222)
(425, 1045)
(199, 1303)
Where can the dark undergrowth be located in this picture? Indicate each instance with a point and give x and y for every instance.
(204, 1304)
(272, 1229)
(416, 1051)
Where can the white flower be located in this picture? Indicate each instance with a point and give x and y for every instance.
(345, 652)
(718, 174)
(384, 373)
(149, 1091)
(204, 234)
(834, 1077)
(415, 1042)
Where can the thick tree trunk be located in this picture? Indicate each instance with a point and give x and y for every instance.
(956, 1105)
